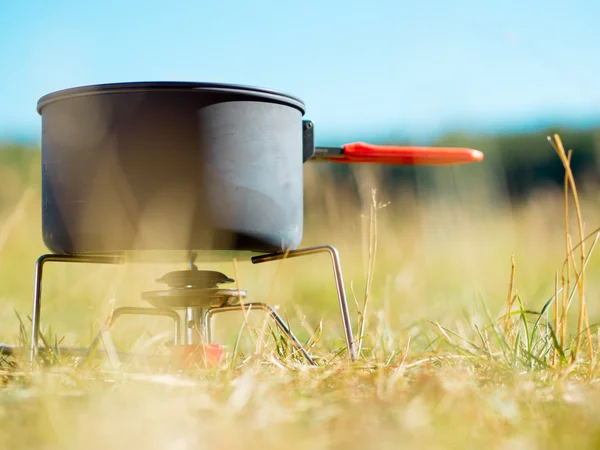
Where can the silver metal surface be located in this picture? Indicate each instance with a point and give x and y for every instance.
(327, 153)
(37, 289)
(194, 323)
(285, 329)
(339, 282)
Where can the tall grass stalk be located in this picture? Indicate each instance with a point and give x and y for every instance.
(372, 253)
(582, 316)
(511, 296)
(566, 276)
(556, 315)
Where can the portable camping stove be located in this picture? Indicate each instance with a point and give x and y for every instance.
(191, 299)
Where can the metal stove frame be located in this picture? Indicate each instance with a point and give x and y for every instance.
(198, 319)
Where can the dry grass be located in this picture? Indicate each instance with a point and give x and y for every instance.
(447, 358)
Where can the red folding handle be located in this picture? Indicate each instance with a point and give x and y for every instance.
(359, 152)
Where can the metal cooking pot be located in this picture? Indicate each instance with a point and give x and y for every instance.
(184, 166)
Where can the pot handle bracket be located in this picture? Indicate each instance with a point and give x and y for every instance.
(308, 140)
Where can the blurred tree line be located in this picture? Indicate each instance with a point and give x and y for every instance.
(527, 161)
(515, 164)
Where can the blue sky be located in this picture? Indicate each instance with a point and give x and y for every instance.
(372, 69)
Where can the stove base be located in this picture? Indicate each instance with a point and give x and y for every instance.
(198, 319)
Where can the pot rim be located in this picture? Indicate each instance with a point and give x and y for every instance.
(225, 88)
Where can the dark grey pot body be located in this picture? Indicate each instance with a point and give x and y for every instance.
(171, 166)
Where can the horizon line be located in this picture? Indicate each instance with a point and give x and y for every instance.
(389, 133)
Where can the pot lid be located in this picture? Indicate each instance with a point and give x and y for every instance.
(111, 88)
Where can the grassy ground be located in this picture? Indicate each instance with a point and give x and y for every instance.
(442, 365)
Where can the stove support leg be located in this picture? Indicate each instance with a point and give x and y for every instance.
(37, 290)
(208, 326)
(133, 310)
(339, 283)
(285, 329)
(37, 303)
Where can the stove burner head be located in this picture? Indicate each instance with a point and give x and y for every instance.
(193, 288)
(204, 279)
(193, 298)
